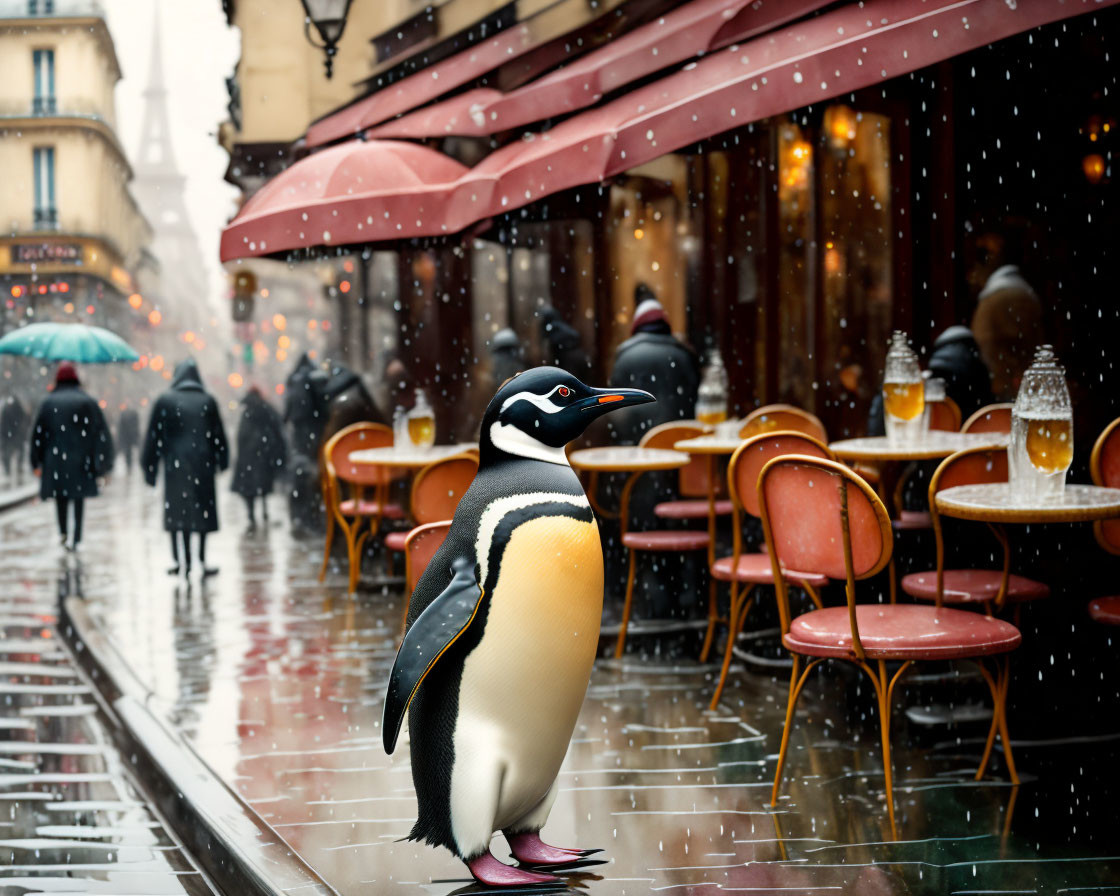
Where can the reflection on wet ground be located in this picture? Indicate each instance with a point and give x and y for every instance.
(71, 818)
(279, 681)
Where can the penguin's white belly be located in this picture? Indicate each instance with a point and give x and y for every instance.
(523, 685)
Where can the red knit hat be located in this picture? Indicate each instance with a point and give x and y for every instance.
(646, 313)
(66, 373)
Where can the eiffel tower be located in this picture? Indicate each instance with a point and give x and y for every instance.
(159, 189)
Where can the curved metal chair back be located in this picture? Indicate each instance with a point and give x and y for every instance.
(785, 417)
(992, 418)
(973, 466)
(820, 517)
(419, 548)
(1104, 465)
(694, 475)
(356, 436)
(945, 415)
(755, 453)
(438, 488)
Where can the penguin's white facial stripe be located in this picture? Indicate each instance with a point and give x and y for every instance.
(497, 511)
(541, 402)
(514, 440)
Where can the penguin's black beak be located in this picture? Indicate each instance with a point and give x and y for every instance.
(603, 401)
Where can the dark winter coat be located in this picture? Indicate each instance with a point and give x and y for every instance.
(14, 421)
(261, 449)
(70, 442)
(663, 366)
(563, 349)
(128, 429)
(185, 431)
(305, 407)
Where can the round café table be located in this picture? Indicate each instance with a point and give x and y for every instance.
(632, 459)
(933, 445)
(408, 456)
(995, 503)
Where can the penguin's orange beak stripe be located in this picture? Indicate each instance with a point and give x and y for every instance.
(608, 398)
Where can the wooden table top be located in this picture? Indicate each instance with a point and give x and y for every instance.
(626, 459)
(931, 446)
(713, 444)
(407, 455)
(995, 503)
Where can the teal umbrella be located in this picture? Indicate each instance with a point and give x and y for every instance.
(68, 342)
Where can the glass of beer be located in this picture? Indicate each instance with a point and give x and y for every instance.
(904, 399)
(422, 423)
(1042, 430)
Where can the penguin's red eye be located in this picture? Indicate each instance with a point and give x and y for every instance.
(564, 391)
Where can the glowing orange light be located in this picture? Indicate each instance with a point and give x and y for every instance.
(135, 300)
(68, 307)
(264, 292)
(279, 321)
(236, 380)
(326, 325)
(281, 355)
(17, 291)
(1093, 166)
(348, 266)
(283, 342)
(639, 233)
(43, 290)
(344, 286)
(103, 404)
(312, 324)
(154, 317)
(279, 388)
(157, 362)
(188, 336)
(64, 287)
(90, 309)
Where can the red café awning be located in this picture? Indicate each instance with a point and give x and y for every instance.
(694, 28)
(843, 50)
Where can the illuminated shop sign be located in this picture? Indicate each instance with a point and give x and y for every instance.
(39, 253)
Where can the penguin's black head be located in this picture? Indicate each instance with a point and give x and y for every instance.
(536, 413)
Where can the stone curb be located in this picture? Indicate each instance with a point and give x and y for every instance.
(13, 497)
(240, 851)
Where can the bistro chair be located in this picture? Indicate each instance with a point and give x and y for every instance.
(818, 515)
(436, 492)
(944, 416)
(991, 418)
(420, 545)
(746, 570)
(990, 587)
(350, 511)
(671, 541)
(693, 482)
(784, 417)
(1104, 466)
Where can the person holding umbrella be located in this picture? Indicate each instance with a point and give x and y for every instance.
(185, 431)
(70, 448)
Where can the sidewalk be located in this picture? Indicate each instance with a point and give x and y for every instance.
(277, 682)
(73, 818)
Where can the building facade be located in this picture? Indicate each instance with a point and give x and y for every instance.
(74, 244)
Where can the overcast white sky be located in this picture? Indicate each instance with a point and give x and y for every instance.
(199, 52)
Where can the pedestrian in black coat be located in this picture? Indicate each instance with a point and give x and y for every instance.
(14, 421)
(261, 453)
(70, 448)
(128, 434)
(185, 431)
(305, 406)
(562, 345)
(654, 360)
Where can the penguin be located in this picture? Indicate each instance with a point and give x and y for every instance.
(502, 632)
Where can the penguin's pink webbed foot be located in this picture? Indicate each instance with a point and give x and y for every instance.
(488, 870)
(529, 849)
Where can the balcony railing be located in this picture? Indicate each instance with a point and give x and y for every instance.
(36, 9)
(44, 105)
(46, 218)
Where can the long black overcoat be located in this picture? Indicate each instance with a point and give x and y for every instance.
(261, 450)
(185, 432)
(70, 441)
(663, 366)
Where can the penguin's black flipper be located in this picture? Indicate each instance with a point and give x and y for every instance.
(434, 630)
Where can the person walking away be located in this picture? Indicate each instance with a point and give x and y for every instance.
(185, 432)
(70, 448)
(655, 360)
(562, 344)
(14, 421)
(261, 453)
(128, 434)
(507, 358)
(305, 405)
(1008, 326)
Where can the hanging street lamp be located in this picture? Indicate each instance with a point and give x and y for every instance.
(329, 19)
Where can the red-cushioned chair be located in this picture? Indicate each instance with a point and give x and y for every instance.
(818, 515)
(674, 541)
(990, 418)
(420, 545)
(783, 417)
(436, 492)
(692, 483)
(945, 416)
(990, 587)
(1104, 466)
(746, 568)
(351, 511)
